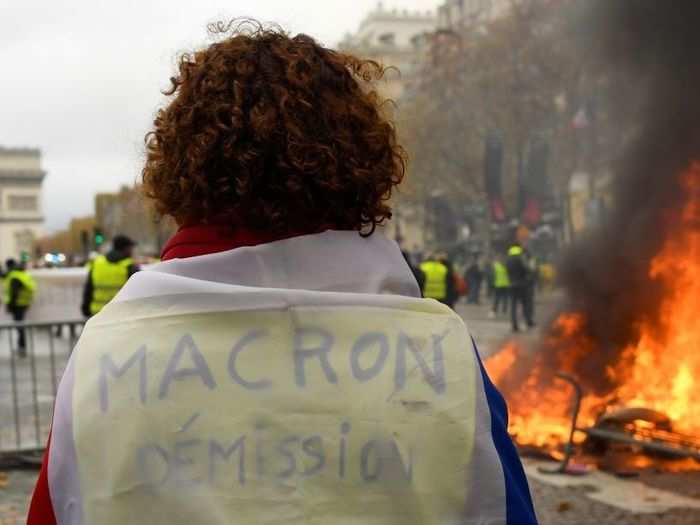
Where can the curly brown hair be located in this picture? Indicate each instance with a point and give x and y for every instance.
(273, 133)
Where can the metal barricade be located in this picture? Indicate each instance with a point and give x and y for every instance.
(30, 381)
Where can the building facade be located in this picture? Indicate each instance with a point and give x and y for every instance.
(395, 38)
(75, 242)
(124, 212)
(455, 13)
(21, 215)
(127, 212)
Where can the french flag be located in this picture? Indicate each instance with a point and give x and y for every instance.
(300, 381)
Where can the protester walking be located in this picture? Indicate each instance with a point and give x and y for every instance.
(474, 277)
(519, 276)
(107, 275)
(279, 365)
(501, 288)
(19, 291)
(436, 279)
(453, 285)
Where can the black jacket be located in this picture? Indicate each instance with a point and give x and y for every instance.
(518, 272)
(113, 257)
(15, 287)
(452, 294)
(417, 272)
(474, 274)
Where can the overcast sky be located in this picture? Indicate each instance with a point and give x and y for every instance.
(81, 79)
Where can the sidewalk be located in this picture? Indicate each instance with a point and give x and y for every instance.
(27, 387)
(554, 505)
(491, 334)
(15, 493)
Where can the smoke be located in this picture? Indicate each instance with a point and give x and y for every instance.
(652, 49)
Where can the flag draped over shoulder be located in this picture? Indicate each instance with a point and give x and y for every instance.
(302, 381)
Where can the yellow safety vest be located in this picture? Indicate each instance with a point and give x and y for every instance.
(500, 275)
(26, 292)
(435, 280)
(107, 280)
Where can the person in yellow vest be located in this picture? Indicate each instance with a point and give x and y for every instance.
(547, 276)
(520, 280)
(108, 273)
(501, 287)
(436, 279)
(19, 289)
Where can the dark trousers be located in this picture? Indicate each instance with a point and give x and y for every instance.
(490, 290)
(18, 313)
(59, 331)
(474, 291)
(520, 295)
(500, 300)
(531, 301)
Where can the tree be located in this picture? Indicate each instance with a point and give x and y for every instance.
(523, 77)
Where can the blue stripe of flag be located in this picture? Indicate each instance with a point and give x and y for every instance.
(519, 508)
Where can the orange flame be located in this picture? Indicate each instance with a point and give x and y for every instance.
(658, 372)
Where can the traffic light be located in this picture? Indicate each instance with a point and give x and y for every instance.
(99, 237)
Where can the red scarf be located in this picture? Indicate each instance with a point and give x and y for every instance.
(202, 239)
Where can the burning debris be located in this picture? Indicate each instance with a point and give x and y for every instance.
(629, 331)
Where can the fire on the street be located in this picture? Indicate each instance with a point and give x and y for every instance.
(659, 372)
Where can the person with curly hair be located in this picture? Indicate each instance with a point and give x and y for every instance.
(280, 364)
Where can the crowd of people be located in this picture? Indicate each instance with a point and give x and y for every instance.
(509, 280)
(107, 274)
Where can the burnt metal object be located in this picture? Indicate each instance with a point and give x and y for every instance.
(658, 440)
(624, 416)
(651, 443)
(563, 466)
